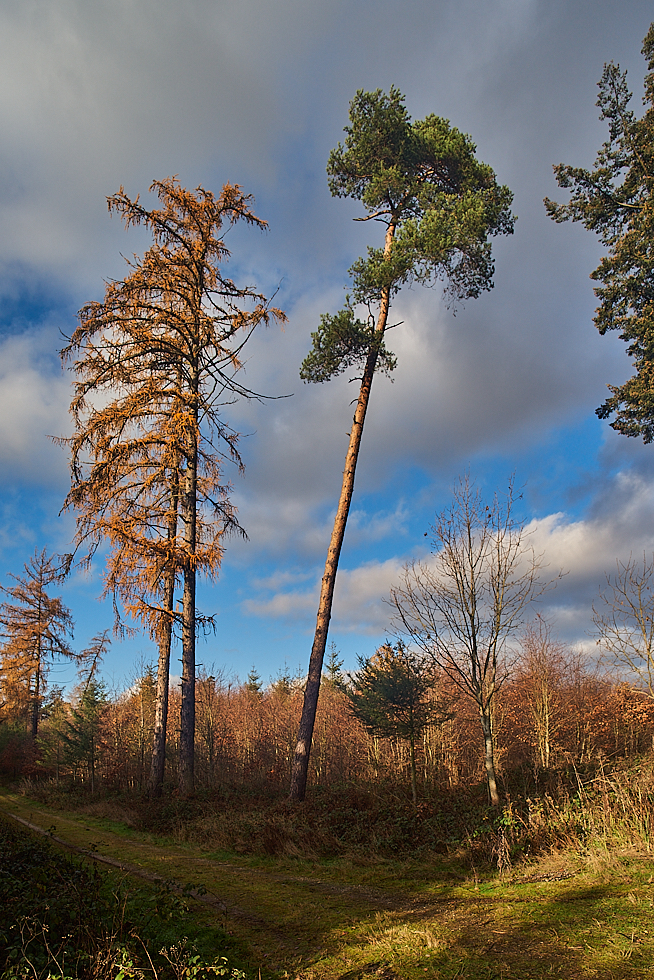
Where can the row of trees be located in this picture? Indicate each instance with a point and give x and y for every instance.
(462, 612)
(388, 723)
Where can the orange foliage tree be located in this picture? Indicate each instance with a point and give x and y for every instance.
(36, 628)
(154, 363)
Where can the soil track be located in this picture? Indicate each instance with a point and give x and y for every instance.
(309, 927)
(294, 915)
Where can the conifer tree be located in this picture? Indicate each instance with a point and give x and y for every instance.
(391, 694)
(155, 361)
(616, 201)
(439, 205)
(253, 683)
(36, 628)
(82, 731)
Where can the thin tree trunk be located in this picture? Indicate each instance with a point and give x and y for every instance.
(489, 756)
(187, 711)
(300, 767)
(36, 701)
(165, 632)
(414, 791)
(157, 766)
(39, 657)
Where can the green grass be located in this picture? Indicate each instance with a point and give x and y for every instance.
(574, 897)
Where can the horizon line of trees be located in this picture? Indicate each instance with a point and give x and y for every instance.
(382, 725)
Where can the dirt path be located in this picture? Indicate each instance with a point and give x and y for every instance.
(292, 914)
(558, 920)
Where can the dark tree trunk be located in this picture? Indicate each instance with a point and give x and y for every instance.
(187, 714)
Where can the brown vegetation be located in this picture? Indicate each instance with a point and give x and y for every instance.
(245, 737)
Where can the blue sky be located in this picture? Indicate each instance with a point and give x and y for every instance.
(250, 91)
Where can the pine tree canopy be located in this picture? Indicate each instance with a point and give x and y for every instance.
(440, 206)
(614, 200)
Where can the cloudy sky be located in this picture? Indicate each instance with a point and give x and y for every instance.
(119, 92)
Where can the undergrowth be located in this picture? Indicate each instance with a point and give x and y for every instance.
(580, 809)
(63, 919)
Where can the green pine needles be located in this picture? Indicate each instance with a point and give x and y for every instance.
(614, 200)
(422, 180)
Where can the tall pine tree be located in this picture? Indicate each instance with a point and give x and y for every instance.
(439, 206)
(616, 201)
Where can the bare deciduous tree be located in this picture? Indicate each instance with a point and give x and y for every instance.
(624, 620)
(463, 607)
(542, 672)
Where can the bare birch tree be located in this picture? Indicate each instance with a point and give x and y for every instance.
(462, 607)
(543, 670)
(624, 620)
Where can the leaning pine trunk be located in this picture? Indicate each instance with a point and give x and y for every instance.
(301, 759)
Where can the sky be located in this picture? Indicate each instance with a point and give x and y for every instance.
(95, 96)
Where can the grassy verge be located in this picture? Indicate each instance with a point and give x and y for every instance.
(62, 918)
(576, 912)
(357, 883)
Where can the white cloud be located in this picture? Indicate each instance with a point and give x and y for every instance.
(358, 599)
(585, 550)
(34, 399)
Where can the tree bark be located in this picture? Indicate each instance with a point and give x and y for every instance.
(489, 756)
(157, 767)
(300, 767)
(187, 713)
(36, 703)
(414, 790)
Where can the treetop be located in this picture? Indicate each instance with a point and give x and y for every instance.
(614, 200)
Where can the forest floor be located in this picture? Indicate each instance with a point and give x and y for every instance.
(566, 915)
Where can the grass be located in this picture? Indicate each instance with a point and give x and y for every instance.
(67, 919)
(550, 887)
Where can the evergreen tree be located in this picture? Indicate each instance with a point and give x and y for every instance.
(82, 732)
(334, 675)
(392, 695)
(440, 206)
(253, 683)
(615, 200)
